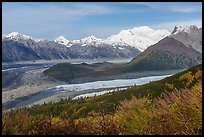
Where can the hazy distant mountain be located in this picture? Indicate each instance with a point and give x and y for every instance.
(87, 48)
(15, 51)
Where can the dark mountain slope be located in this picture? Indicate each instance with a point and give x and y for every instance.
(14, 51)
(165, 55)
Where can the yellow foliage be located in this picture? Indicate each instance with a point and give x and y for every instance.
(188, 77)
(170, 86)
(198, 74)
(55, 120)
(176, 112)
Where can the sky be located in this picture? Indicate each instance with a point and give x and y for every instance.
(76, 20)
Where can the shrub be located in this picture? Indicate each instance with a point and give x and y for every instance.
(178, 112)
(188, 78)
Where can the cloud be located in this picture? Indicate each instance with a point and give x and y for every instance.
(171, 6)
(92, 9)
(76, 20)
(49, 20)
(43, 20)
(185, 9)
(56, 12)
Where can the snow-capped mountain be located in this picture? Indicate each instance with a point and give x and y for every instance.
(177, 29)
(126, 44)
(19, 37)
(180, 50)
(187, 29)
(91, 40)
(3, 36)
(138, 37)
(15, 49)
(62, 40)
(190, 29)
(190, 36)
(16, 36)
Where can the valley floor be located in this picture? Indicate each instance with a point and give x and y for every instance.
(31, 82)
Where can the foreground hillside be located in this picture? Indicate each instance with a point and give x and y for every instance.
(169, 106)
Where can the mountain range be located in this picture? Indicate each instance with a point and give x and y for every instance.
(137, 37)
(126, 44)
(180, 49)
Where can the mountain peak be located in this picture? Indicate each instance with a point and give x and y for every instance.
(187, 29)
(176, 29)
(90, 39)
(190, 36)
(143, 28)
(16, 35)
(62, 40)
(138, 37)
(190, 28)
(13, 34)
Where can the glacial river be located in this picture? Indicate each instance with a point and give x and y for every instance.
(108, 86)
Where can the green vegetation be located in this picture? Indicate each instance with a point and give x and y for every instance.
(170, 106)
(164, 61)
(67, 71)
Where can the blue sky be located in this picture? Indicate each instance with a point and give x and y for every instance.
(76, 20)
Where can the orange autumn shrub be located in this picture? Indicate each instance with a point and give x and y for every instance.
(178, 112)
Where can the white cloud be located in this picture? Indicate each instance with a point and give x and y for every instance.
(46, 19)
(53, 20)
(171, 6)
(185, 9)
(56, 12)
(92, 9)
